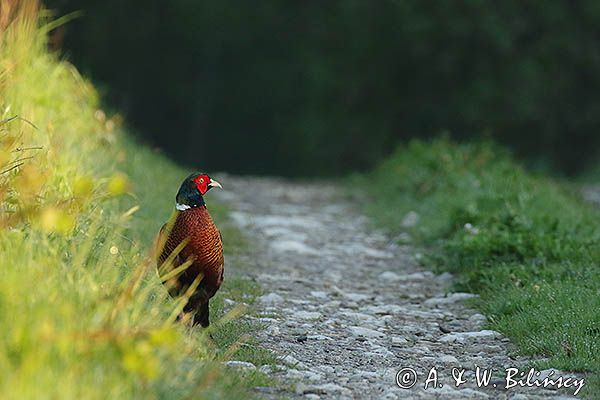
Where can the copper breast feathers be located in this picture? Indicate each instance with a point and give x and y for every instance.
(204, 246)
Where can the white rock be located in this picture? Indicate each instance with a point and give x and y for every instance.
(326, 369)
(360, 374)
(311, 376)
(451, 338)
(357, 296)
(461, 337)
(444, 277)
(299, 301)
(228, 302)
(240, 364)
(265, 320)
(478, 319)
(519, 396)
(292, 246)
(240, 218)
(379, 351)
(266, 369)
(271, 298)
(365, 332)
(318, 337)
(311, 315)
(386, 309)
(295, 374)
(422, 314)
(398, 341)
(358, 316)
(358, 249)
(389, 276)
(448, 359)
(449, 299)
(303, 222)
(419, 276)
(273, 330)
(289, 359)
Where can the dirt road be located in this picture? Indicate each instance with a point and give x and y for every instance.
(346, 307)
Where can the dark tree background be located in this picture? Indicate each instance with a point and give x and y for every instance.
(314, 87)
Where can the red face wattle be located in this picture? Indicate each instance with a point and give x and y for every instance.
(202, 182)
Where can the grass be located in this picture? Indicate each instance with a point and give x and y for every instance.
(529, 246)
(83, 312)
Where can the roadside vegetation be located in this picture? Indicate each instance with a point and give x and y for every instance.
(528, 245)
(83, 312)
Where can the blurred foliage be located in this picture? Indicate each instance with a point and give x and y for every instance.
(83, 312)
(529, 246)
(318, 87)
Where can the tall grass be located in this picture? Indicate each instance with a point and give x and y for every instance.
(82, 311)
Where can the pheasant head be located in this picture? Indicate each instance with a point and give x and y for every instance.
(192, 189)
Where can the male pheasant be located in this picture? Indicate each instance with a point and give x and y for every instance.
(192, 239)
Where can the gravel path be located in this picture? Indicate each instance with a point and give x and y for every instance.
(346, 307)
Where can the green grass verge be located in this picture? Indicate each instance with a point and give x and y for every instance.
(529, 246)
(83, 312)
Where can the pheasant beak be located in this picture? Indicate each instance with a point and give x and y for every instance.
(214, 183)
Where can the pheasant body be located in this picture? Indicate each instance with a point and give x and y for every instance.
(203, 248)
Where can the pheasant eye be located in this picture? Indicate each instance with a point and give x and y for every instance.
(201, 180)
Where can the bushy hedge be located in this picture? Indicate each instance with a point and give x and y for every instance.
(322, 87)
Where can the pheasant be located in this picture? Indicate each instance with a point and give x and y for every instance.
(192, 240)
